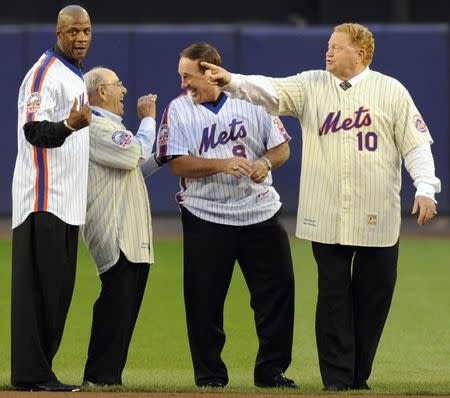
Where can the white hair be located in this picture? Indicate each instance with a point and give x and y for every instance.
(94, 78)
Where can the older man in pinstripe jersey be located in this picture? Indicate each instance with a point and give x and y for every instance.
(118, 223)
(357, 125)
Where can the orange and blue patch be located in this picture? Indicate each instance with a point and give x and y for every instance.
(36, 86)
(419, 123)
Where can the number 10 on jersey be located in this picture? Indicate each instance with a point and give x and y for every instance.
(367, 141)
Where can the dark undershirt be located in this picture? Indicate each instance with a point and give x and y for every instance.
(45, 134)
(214, 103)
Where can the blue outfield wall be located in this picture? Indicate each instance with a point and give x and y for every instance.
(146, 59)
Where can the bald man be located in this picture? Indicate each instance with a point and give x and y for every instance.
(49, 201)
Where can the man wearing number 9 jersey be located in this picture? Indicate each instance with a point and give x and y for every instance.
(357, 124)
(223, 150)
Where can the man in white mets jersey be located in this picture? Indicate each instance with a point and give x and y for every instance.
(357, 125)
(224, 150)
(49, 201)
(118, 231)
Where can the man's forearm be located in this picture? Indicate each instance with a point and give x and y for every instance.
(193, 167)
(420, 165)
(146, 136)
(45, 134)
(255, 89)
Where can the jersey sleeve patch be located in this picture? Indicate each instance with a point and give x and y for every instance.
(122, 138)
(34, 102)
(279, 125)
(163, 139)
(163, 134)
(419, 123)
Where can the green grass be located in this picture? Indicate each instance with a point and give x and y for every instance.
(413, 356)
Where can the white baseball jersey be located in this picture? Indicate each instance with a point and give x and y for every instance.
(51, 179)
(353, 142)
(118, 210)
(231, 128)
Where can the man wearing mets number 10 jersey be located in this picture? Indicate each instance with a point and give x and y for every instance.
(357, 124)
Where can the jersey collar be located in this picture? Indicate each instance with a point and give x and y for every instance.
(354, 79)
(215, 107)
(58, 54)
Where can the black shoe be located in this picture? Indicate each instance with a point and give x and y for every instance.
(212, 384)
(53, 385)
(86, 385)
(277, 381)
(335, 387)
(361, 386)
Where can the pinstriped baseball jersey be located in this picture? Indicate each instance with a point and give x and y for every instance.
(52, 180)
(353, 141)
(118, 210)
(231, 128)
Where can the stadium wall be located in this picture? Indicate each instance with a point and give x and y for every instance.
(146, 59)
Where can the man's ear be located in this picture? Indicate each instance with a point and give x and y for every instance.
(101, 92)
(362, 54)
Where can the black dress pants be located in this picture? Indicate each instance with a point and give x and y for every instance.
(44, 255)
(114, 317)
(356, 285)
(263, 253)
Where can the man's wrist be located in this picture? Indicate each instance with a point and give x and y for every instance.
(424, 189)
(68, 126)
(234, 84)
(268, 162)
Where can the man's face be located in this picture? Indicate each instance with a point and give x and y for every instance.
(193, 80)
(74, 36)
(343, 60)
(114, 92)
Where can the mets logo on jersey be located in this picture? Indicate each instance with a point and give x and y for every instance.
(420, 124)
(122, 138)
(33, 102)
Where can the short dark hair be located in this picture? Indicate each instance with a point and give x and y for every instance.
(202, 51)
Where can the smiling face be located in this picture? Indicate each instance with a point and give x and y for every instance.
(112, 93)
(74, 34)
(193, 80)
(342, 59)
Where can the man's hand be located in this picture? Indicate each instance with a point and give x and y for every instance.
(237, 166)
(146, 106)
(426, 207)
(259, 172)
(216, 75)
(79, 119)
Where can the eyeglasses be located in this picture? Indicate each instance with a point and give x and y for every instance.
(118, 84)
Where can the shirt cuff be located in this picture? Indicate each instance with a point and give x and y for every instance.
(150, 166)
(147, 123)
(424, 189)
(234, 84)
